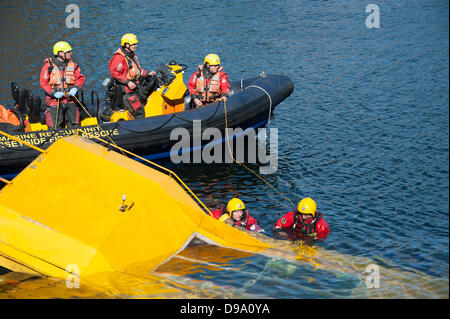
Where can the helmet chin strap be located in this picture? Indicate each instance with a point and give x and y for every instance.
(127, 50)
(208, 71)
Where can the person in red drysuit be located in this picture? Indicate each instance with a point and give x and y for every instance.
(209, 83)
(124, 67)
(61, 79)
(303, 223)
(235, 214)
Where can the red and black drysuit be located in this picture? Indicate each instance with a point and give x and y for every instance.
(292, 226)
(208, 87)
(124, 67)
(58, 76)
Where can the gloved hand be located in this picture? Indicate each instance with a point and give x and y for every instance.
(58, 95)
(73, 91)
(313, 235)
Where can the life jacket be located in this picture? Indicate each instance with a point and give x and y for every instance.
(10, 116)
(244, 220)
(306, 228)
(56, 78)
(212, 92)
(134, 68)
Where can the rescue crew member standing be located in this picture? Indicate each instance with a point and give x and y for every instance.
(235, 214)
(124, 67)
(305, 222)
(209, 83)
(61, 79)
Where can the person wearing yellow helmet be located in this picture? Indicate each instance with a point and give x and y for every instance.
(61, 79)
(209, 83)
(125, 69)
(302, 223)
(235, 214)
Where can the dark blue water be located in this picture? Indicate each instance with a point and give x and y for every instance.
(365, 132)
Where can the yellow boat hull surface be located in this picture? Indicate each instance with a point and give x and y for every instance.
(80, 208)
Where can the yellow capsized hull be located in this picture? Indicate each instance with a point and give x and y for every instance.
(80, 208)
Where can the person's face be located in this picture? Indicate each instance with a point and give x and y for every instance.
(133, 47)
(65, 56)
(214, 68)
(237, 214)
(306, 216)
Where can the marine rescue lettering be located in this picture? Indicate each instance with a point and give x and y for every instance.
(41, 138)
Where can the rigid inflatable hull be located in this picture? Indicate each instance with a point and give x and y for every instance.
(248, 106)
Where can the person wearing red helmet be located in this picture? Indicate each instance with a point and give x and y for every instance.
(303, 223)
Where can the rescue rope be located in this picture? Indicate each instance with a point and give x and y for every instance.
(27, 149)
(270, 102)
(55, 126)
(4, 180)
(107, 135)
(243, 165)
(22, 142)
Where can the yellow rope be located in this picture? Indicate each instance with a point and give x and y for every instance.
(55, 126)
(97, 123)
(23, 142)
(4, 180)
(243, 165)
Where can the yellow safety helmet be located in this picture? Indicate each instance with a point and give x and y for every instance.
(61, 46)
(235, 204)
(212, 59)
(307, 206)
(129, 38)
